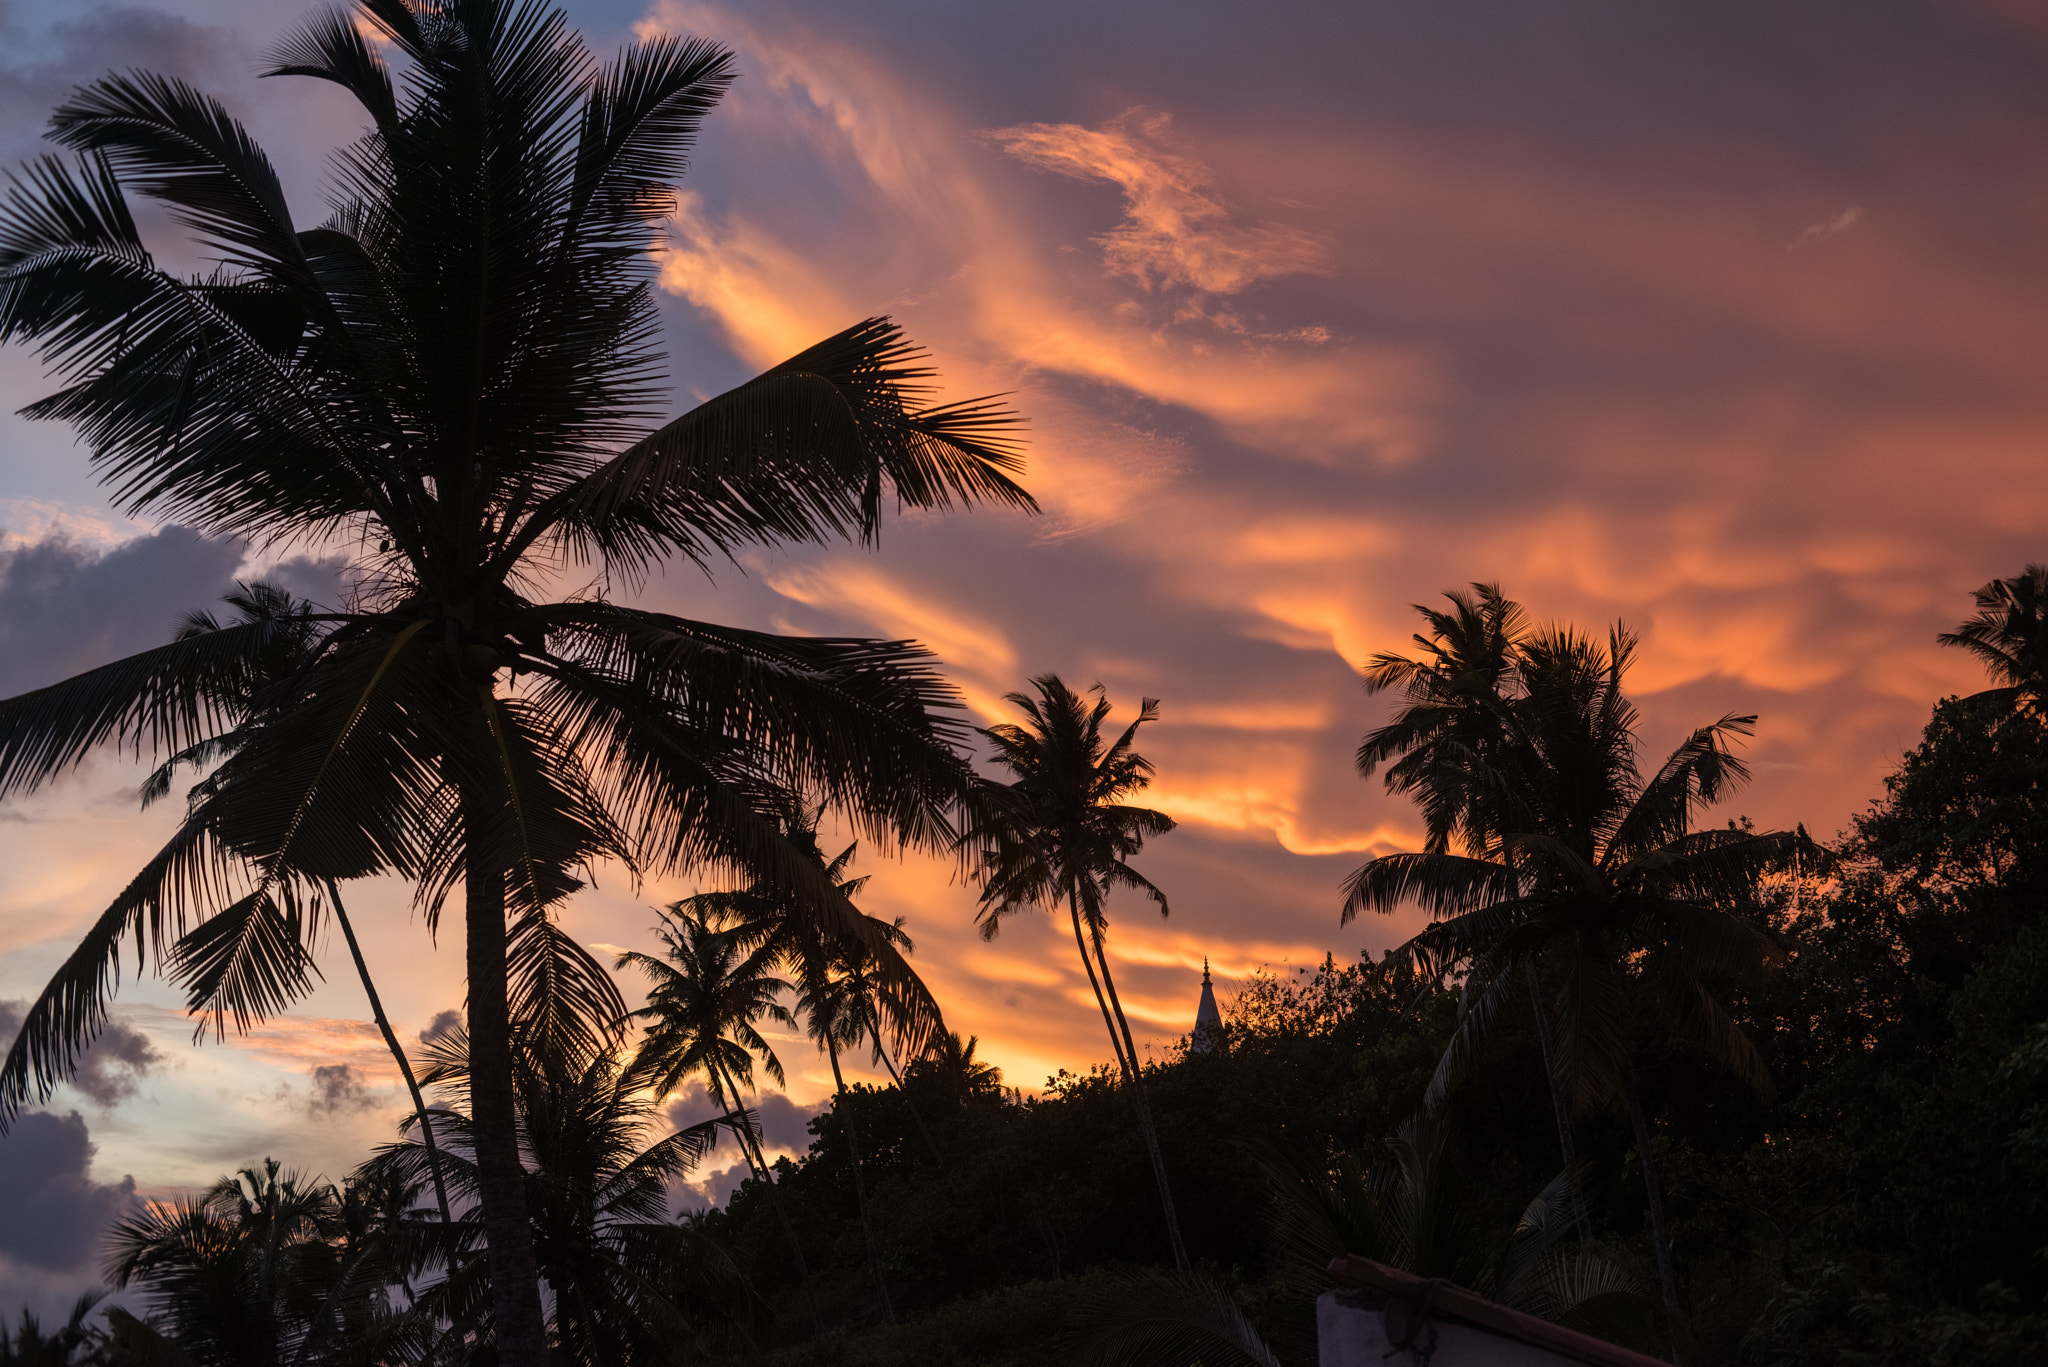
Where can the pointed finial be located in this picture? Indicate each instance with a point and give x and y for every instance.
(1205, 970)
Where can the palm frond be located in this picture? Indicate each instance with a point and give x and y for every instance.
(1441, 884)
(250, 960)
(1160, 1319)
(164, 699)
(803, 452)
(189, 873)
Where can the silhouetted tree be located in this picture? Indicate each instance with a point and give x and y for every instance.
(456, 373)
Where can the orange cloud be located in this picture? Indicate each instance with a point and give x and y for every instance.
(1175, 229)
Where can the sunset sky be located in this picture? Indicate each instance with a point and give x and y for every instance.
(1725, 320)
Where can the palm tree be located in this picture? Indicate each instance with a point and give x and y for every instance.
(455, 374)
(291, 648)
(2010, 635)
(1060, 832)
(264, 1267)
(1446, 736)
(71, 1345)
(953, 1060)
(716, 980)
(835, 999)
(829, 1001)
(624, 1278)
(1579, 867)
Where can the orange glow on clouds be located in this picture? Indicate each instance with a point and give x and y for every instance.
(1296, 354)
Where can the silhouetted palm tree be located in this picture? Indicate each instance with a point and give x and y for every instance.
(953, 1058)
(1060, 832)
(832, 1002)
(72, 1344)
(293, 647)
(266, 1267)
(1446, 739)
(2010, 635)
(715, 980)
(625, 1279)
(1578, 865)
(456, 374)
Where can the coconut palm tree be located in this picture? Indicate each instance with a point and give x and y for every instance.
(715, 981)
(454, 378)
(1448, 735)
(831, 1001)
(1060, 831)
(266, 1266)
(72, 1344)
(2009, 635)
(624, 1278)
(291, 648)
(1593, 874)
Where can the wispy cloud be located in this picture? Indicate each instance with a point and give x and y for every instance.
(1816, 233)
(1177, 229)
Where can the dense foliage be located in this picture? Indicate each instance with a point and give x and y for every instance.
(1886, 1207)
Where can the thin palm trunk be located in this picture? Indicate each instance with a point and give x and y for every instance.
(916, 1116)
(860, 1186)
(757, 1159)
(1127, 1054)
(1666, 1278)
(501, 1177)
(1557, 1106)
(1116, 1045)
(419, 1104)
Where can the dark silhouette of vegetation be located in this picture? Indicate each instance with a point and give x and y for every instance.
(1577, 878)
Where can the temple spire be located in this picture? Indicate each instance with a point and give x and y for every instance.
(1208, 1036)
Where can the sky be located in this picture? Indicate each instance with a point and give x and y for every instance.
(1726, 321)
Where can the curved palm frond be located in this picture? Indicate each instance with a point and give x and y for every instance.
(1161, 1319)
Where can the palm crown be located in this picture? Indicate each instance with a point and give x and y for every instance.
(1067, 792)
(1576, 876)
(2009, 636)
(1575, 861)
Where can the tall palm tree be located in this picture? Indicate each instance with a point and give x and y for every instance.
(455, 376)
(292, 647)
(1447, 736)
(624, 1278)
(835, 1000)
(1580, 866)
(716, 979)
(828, 1001)
(2009, 635)
(1060, 831)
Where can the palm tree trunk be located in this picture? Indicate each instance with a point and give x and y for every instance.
(1557, 1106)
(1666, 1278)
(860, 1186)
(1127, 1053)
(916, 1116)
(501, 1178)
(1564, 1125)
(1116, 1045)
(757, 1159)
(412, 1085)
